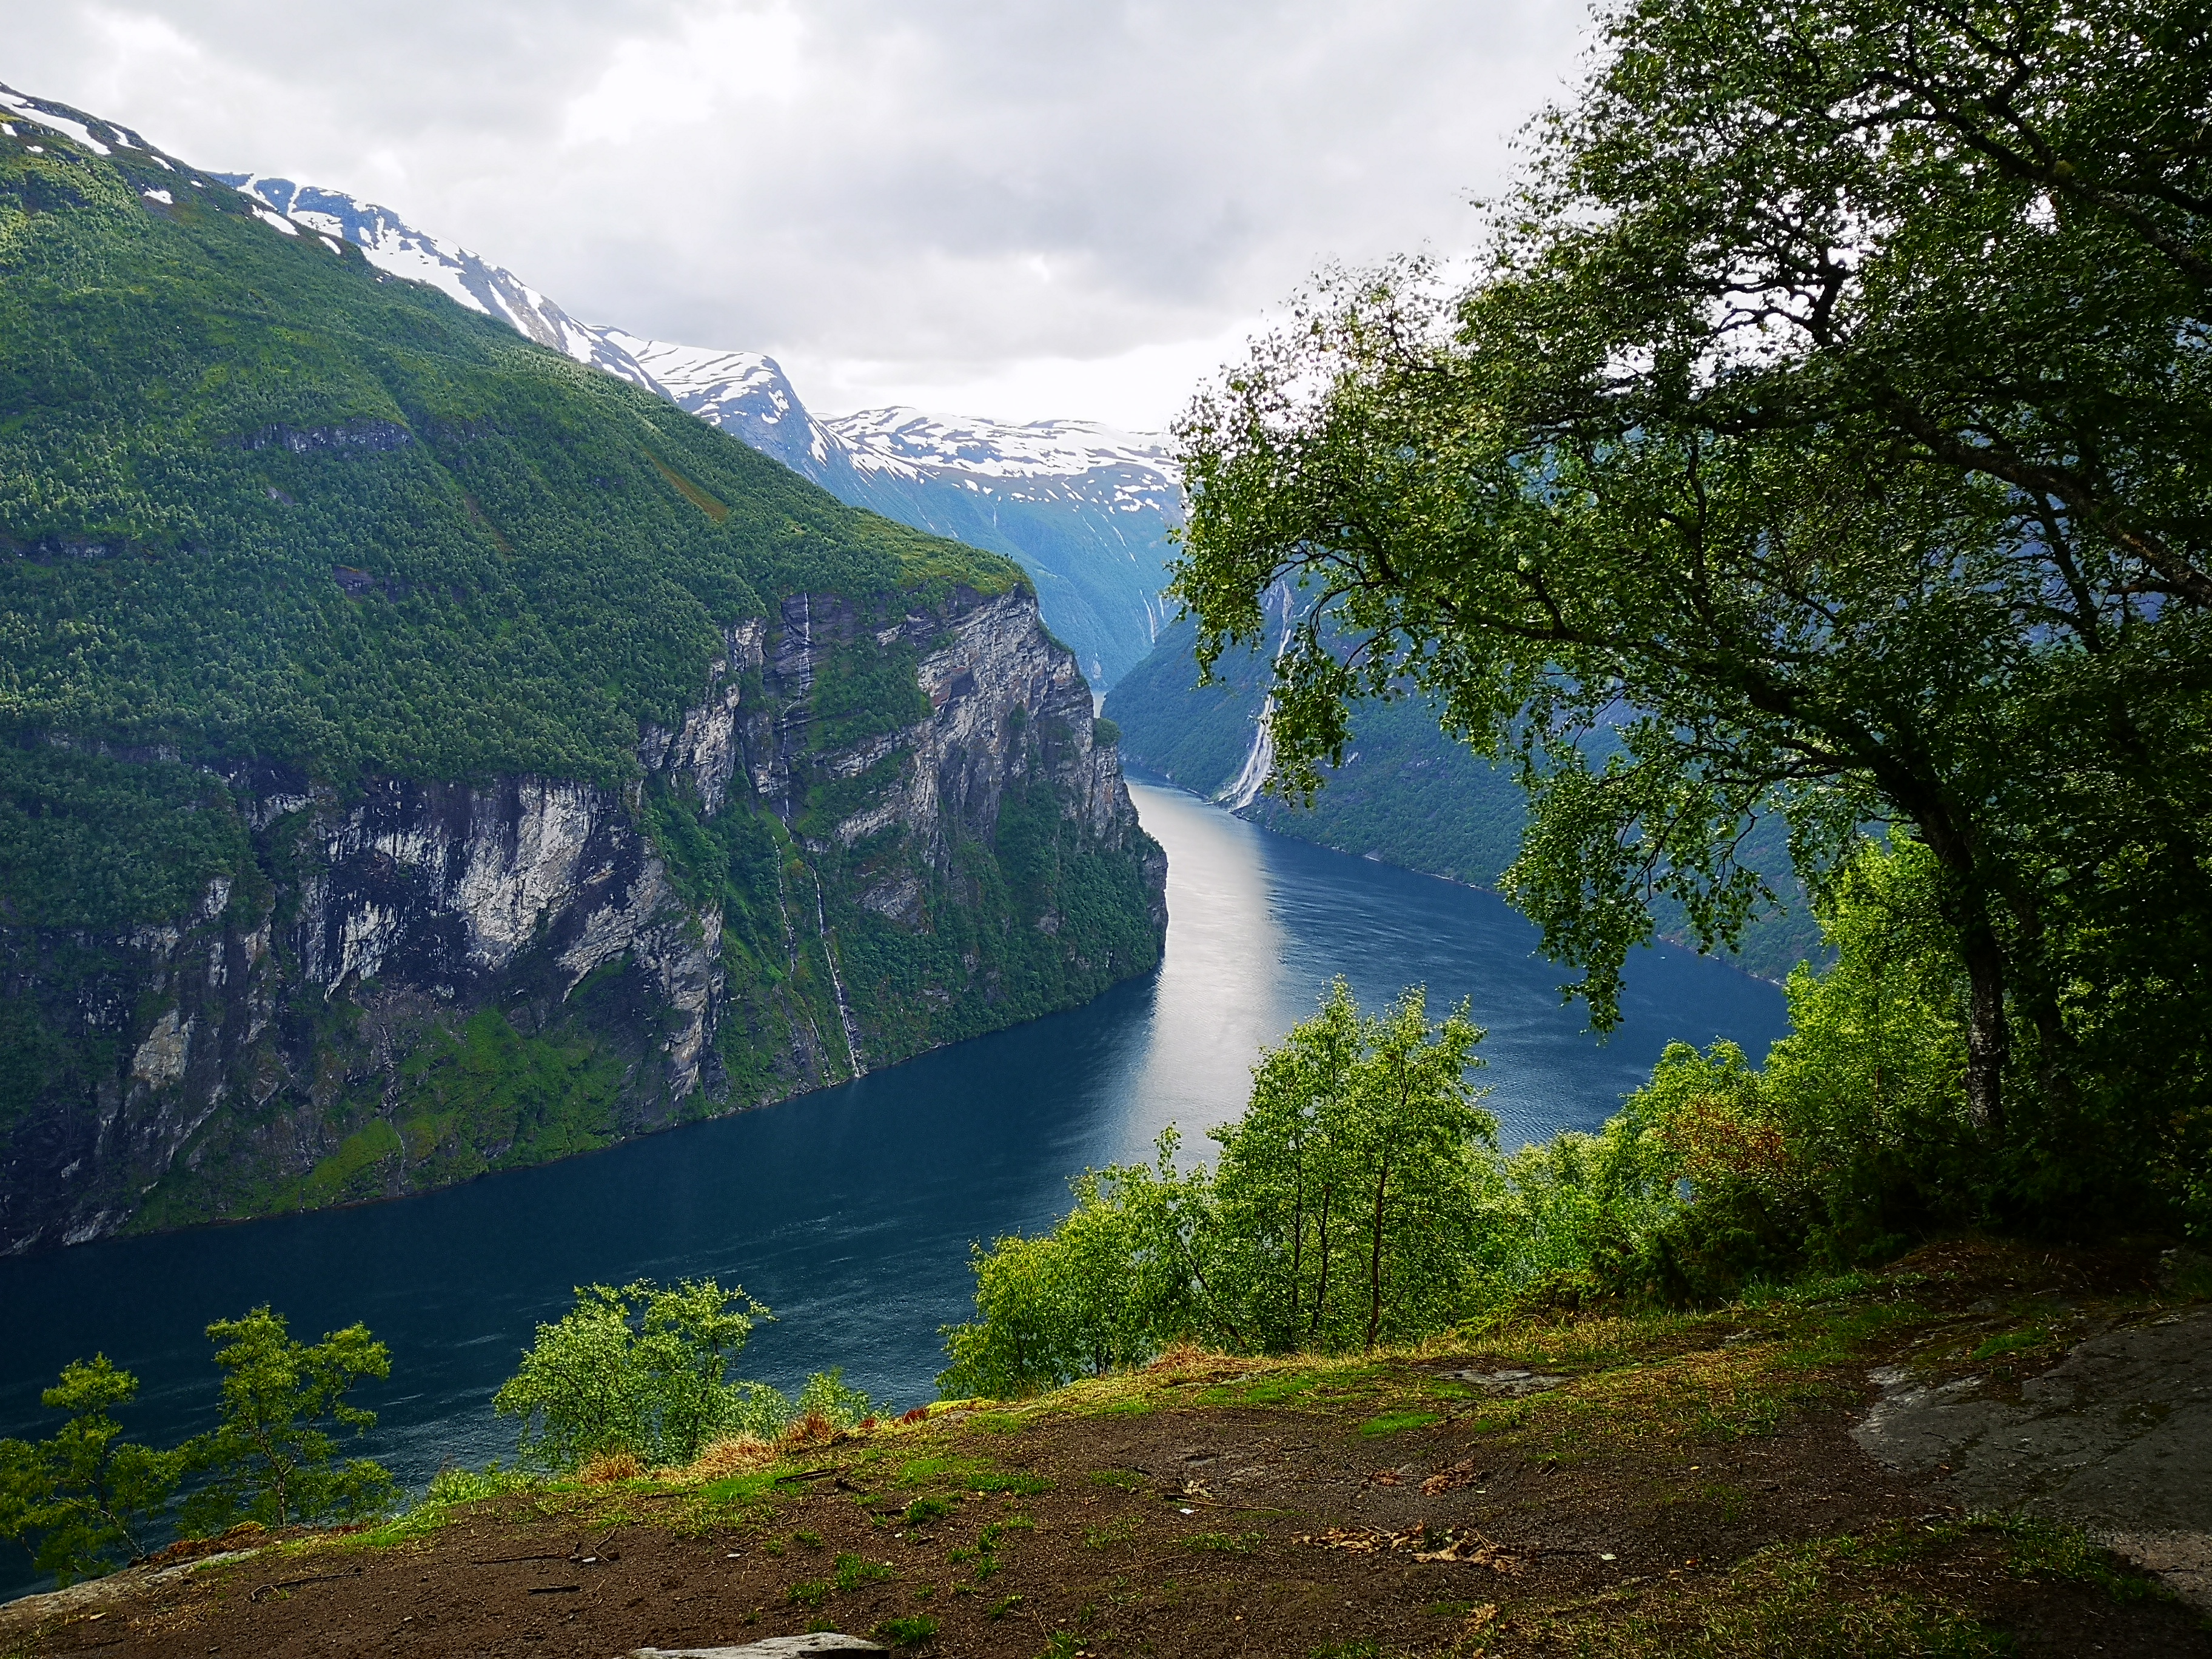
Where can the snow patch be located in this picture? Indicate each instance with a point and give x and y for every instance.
(30, 110)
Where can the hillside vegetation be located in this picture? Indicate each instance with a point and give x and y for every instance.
(258, 498)
(1640, 1485)
(421, 753)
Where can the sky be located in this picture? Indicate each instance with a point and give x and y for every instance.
(1016, 208)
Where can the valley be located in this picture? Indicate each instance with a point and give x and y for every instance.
(638, 1016)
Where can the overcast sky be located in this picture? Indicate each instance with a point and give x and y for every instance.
(1012, 208)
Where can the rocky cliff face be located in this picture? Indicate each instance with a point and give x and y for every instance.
(873, 833)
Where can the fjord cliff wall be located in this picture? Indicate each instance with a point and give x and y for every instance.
(878, 830)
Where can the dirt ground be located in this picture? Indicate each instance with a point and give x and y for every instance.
(1663, 1485)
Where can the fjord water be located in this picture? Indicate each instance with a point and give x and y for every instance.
(850, 1212)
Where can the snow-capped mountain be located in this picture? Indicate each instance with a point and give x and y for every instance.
(743, 392)
(1083, 510)
(1086, 509)
(16, 106)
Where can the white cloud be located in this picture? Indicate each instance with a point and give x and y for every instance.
(713, 67)
(1008, 200)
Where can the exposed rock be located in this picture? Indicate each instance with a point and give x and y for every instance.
(291, 1043)
(1513, 1385)
(23, 1616)
(776, 1647)
(2117, 1438)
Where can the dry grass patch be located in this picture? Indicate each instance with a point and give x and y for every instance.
(610, 1467)
(720, 1459)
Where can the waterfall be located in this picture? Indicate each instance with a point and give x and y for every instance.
(1259, 760)
(836, 984)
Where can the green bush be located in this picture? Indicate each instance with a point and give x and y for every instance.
(827, 1397)
(639, 1369)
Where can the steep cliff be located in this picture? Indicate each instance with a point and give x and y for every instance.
(420, 754)
(416, 983)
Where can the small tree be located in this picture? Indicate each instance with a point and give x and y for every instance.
(639, 1369)
(1413, 1140)
(1123, 1274)
(85, 1498)
(1353, 1204)
(273, 1458)
(1281, 1181)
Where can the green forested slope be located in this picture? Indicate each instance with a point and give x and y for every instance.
(420, 753)
(257, 498)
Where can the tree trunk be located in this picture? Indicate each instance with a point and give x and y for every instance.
(1321, 1291)
(1988, 1042)
(1297, 1245)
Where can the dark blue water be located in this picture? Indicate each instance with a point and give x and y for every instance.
(851, 1211)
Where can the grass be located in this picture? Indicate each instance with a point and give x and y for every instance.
(2036, 1548)
(2012, 1342)
(855, 1570)
(1646, 1393)
(910, 1632)
(708, 504)
(1398, 1422)
(970, 1475)
(847, 1572)
(1882, 1594)
(1827, 1598)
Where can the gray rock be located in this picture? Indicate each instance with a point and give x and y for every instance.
(2116, 1438)
(1512, 1385)
(776, 1647)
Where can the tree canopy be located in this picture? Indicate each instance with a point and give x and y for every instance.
(1822, 433)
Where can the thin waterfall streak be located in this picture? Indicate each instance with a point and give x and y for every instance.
(837, 985)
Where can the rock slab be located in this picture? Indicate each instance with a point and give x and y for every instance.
(776, 1647)
(2117, 1438)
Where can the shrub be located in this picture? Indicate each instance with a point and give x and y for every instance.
(272, 1458)
(638, 1371)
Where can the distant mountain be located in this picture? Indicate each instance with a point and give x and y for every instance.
(1084, 509)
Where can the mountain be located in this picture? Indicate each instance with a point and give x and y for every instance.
(421, 753)
(1086, 510)
(1406, 794)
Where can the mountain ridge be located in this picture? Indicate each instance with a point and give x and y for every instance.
(1084, 508)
